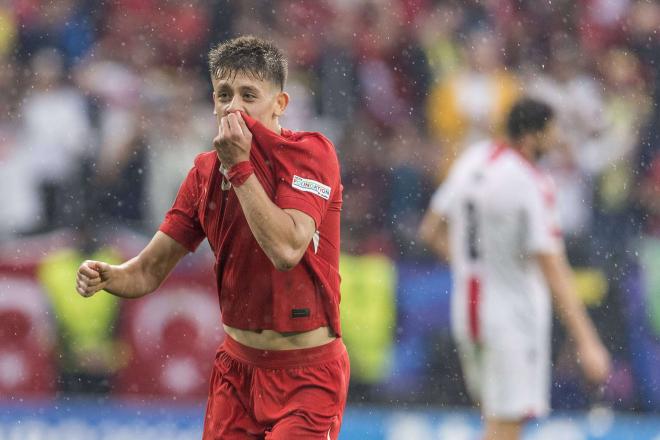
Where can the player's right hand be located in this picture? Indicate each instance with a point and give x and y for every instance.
(234, 140)
(595, 361)
(92, 277)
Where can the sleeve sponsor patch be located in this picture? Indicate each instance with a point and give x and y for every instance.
(312, 186)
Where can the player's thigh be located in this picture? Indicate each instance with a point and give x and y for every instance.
(303, 403)
(227, 411)
(515, 381)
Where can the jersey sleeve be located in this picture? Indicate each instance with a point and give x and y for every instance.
(181, 221)
(444, 195)
(307, 175)
(543, 232)
(441, 199)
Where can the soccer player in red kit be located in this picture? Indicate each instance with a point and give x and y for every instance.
(268, 200)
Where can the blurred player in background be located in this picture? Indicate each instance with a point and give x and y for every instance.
(268, 200)
(495, 221)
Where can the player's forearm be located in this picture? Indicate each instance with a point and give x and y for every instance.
(567, 303)
(276, 232)
(433, 232)
(146, 272)
(132, 279)
(439, 247)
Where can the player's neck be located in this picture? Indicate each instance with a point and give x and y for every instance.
(527, 151)
(274, 126)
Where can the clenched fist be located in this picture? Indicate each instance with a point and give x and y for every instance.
(92, 277)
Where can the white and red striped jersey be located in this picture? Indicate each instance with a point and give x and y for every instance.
(501, 212)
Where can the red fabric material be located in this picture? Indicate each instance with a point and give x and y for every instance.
(474, 297)
(240, 172)
(259, 394)
(253, 294)
(270, 359)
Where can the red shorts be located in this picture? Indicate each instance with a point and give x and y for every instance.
(288, 394)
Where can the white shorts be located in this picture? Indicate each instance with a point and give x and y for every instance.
(508, 381)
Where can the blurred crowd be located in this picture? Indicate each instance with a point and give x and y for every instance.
(105, 104)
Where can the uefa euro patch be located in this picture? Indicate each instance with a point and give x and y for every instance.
(312, 186)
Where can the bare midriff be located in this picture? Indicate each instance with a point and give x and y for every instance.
(272, 340)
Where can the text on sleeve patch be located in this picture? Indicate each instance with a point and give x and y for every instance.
(312, 186)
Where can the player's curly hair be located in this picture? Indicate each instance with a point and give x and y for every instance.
(528, 115)
(249, 55)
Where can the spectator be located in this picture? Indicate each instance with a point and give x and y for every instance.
(89, 354)
(181, 124)
(467, 105)
(577, 100)
(18, 195)
(56, 133)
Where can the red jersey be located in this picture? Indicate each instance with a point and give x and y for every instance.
(298, 170)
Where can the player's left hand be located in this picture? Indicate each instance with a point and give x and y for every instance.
(233, 141)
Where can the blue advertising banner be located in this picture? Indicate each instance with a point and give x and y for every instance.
(104, 420)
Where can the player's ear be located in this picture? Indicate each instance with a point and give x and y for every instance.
(281, 103)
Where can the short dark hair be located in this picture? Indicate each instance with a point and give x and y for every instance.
(250, 55)
(528, 115)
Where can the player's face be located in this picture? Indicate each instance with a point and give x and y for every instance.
(260, 99)
(547, 139)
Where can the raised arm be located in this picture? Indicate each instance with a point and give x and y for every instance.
(592, 355)
(283, 234)
(136, 277)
